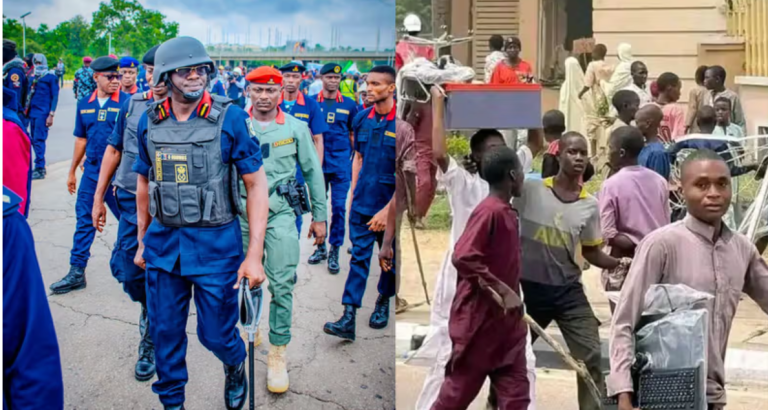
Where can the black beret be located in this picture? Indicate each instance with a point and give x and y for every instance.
(292, 68)
(149, 58)
(331, 68)
(105, 64)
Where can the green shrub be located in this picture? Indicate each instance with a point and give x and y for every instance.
(439, 216)
(457, 146)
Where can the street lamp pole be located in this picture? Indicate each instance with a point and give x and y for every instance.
(110, 43)
(24, 33)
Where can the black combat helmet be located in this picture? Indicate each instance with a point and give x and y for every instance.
(182, 52)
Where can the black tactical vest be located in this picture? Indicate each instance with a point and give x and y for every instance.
(125, 178)
(189, 186)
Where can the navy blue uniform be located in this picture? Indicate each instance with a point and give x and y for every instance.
(141, 80)
(337, 167)
(218, 88)
(206, 258)
(15, 79)
(307, 110)
(31, 362)
(94, 123)
(45, 98)
(123, 269)
(375, 141)
(236, 92)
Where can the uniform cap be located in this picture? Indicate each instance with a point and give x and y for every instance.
(104, 64)
(265, 75)
(113, 56)
(129, 62)
(330, 68)
(293, 67)
(87, 59)
(149, 57)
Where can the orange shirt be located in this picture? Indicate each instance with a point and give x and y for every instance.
(506, 74)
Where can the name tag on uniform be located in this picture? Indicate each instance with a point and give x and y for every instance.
(340, 111)
(102, 115)
(298, 115)
(91, 111)
(173, 157)
(390, 134)
(331, 118)
(283, 142)
(113, 109)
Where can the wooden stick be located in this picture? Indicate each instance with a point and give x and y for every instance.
(576, 365)
(411, 222)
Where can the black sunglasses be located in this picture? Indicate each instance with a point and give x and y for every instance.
(113, 77)
(201, 70)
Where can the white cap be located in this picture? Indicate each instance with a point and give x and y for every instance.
(363, 88)
(412, 23)
(238, 71)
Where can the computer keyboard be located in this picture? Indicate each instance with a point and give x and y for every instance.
(664, 390)
(669, 389)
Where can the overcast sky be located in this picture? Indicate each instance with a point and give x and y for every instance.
(357, 20)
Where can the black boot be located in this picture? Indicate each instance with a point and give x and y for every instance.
(319, 255)
(344, 327)
(333, 260)
(380, 315)
(235, 386)
(145, 366)
(38, 173)
(74, 280)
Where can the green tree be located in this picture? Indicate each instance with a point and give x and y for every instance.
(422, 8)
(134, 29)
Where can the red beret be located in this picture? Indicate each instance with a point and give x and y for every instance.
(265, 75)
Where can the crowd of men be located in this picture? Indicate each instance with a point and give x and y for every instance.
(536, 247)
(205, 194)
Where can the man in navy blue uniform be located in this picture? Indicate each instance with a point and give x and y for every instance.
(141, 79)
(236, 89)
(94, 121)
(118, 162)
(31, 362)
(338, 111)
(129, 69)
(192, 148)
(217, 84)
(40, 107)
(14, 78)
(373, 187)
(293, 102)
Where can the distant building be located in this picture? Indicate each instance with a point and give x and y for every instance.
(670, 35)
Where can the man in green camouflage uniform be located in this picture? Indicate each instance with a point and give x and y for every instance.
(284, 141)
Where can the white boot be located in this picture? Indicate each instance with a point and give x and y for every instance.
(277, 371)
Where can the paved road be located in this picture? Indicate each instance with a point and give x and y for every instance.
(61, 142)
(97, 327)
